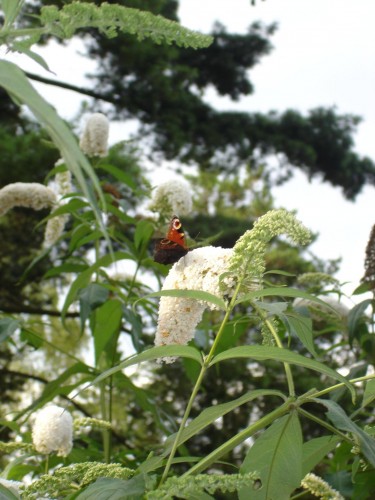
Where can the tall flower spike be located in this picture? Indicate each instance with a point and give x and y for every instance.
(320, 488)
(26, 194)
(249, 251)
(94, 140)
(53, 431)
(172, 197)
(200, 269)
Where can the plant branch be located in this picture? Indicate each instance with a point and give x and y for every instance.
(68, 86)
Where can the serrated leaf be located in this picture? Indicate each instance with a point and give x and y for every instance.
(341, 420)
(7, 327)
(315, 450)
(277, 456)
(262, 353)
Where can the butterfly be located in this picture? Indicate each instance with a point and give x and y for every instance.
(171, 248)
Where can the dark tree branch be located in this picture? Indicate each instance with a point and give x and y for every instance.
(35, 310)
(68, 86)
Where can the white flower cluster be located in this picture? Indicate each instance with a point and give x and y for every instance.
(172, 197)
(26, 194)
(53, 431)
(55, 226)
(320, 488)
(200, 269)
(94, 140)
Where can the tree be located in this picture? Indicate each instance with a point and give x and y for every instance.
(163, 88)
(251, 321)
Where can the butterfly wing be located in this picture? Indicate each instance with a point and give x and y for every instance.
(170, 249)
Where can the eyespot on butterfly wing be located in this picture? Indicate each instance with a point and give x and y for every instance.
(171, 248)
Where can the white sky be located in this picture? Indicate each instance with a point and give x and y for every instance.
(324, 54)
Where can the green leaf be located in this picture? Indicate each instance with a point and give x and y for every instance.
(301, 326)
(30, 53)
(369, 395)
(355, 318)
(262, 353)
(341, 420)
(68, 267)
(84, 278)
(17, 85)
(189, 294)
(136, 330)
(283, 292)
(56, 387)
(91, 297)
(277, 456)
(7, 494)
(143, 232)
(115, 489)
(119, 174)
(107, 323)
(315, 450)
(11, 10)
(209, 415)
(7, 327)
(183, 351)
(272, 308)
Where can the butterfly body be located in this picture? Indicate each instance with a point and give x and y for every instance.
(171, 248)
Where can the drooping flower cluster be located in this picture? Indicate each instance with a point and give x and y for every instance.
(320, 488)
(200, 269)
(199, 485)
(55, 226)
(53, 431)
(249, 251)
(26, 194)
(94, 140)
(172, 197)
(68, 479)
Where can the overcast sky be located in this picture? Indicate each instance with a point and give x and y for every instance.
(324, 54)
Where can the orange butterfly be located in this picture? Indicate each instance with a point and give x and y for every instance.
(171, 248)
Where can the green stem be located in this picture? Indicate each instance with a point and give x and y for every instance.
(328, 426)
(198, 384)
(341, 384)
(239, 438)
(288, 371)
